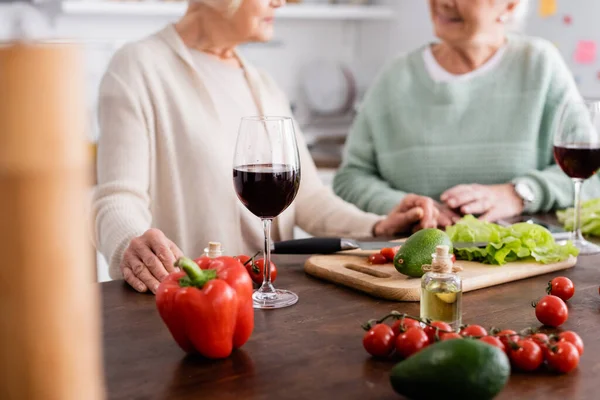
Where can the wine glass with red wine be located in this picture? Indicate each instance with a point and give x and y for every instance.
(577, 151)
(266, 177)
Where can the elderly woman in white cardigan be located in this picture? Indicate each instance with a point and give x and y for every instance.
(169, 111)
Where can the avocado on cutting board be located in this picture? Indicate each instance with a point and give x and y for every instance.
(383, 281)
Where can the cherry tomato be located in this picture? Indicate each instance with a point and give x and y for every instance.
(563, 357)
(377, 259)
(473, 330)
(453, 258)
(561, 287)
(430, 330)
(572, 337)
(242, 258)
(203, 262)
(449, 336)
(406, 323)
(255, 270)
(389, 253)
(551, 311)
(542, 340)
(527, 357)
(502, 335)
(494, 341)
(411, 341)
(379, 341)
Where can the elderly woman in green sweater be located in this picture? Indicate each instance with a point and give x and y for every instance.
(467, 122)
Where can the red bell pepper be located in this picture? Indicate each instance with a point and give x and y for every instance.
(208, 306)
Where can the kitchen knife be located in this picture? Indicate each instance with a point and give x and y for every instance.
(333, 245)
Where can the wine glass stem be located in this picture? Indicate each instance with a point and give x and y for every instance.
(266, 286)
(576, 234)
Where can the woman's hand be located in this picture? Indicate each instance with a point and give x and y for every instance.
(414, 212)
(492, 202)
(447, 217)
(148, 260)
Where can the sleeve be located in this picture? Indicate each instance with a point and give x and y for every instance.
(320, 212)
(121, 203)
(553, 189)
(358, 180)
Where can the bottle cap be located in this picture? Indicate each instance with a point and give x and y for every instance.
(213, 250)
(441, 261)
(442, 250)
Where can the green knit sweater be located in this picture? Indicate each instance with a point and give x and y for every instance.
(414, 135)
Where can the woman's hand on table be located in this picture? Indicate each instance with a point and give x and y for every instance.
(447, 217)
(148, 260)
(414, 212)
(491, 202)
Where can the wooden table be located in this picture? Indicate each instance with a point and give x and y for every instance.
(313, 350)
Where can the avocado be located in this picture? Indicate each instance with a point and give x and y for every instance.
(454, 369)
(417, 251)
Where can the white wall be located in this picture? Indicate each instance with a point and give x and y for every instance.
(382, 42)
(296, 43)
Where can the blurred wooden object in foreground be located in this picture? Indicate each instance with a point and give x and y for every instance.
(49, 327)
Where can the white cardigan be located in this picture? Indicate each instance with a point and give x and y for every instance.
(163, 162)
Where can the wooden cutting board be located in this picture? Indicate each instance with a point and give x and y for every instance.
(352, 269)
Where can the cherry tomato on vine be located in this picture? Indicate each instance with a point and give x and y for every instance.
(563, 357)
(449, 336)
(389, 253)
(411, 341)
(528, 356)
(255, 269)
(572, 337)
(551, 311)
(242, 258)
(561, 287)
(473, 330)
(430, 330)
(502, 335)
(379, 340)
(406, 324)
(377, 259)
(540, 338)
(494, 341)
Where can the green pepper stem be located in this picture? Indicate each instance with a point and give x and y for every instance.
(198, 277)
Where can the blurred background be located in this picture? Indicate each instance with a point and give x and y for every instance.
(324, 55)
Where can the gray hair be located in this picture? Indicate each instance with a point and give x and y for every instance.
(516, 21)
(229, 6)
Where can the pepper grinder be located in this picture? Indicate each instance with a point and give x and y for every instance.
(50, 326)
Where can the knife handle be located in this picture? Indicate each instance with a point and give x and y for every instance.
(308, 246)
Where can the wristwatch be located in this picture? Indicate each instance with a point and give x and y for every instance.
(525, 192)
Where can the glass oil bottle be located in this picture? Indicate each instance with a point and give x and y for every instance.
(441, 290)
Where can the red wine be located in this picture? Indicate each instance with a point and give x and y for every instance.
(266, 189)
(579, 161)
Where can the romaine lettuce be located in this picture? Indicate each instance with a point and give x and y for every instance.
(590, 217)
(520, 241)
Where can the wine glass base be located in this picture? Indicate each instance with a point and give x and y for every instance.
(586, 248)
(269, 301)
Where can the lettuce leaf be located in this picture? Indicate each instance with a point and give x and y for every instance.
(520, 241)
(590, 217)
